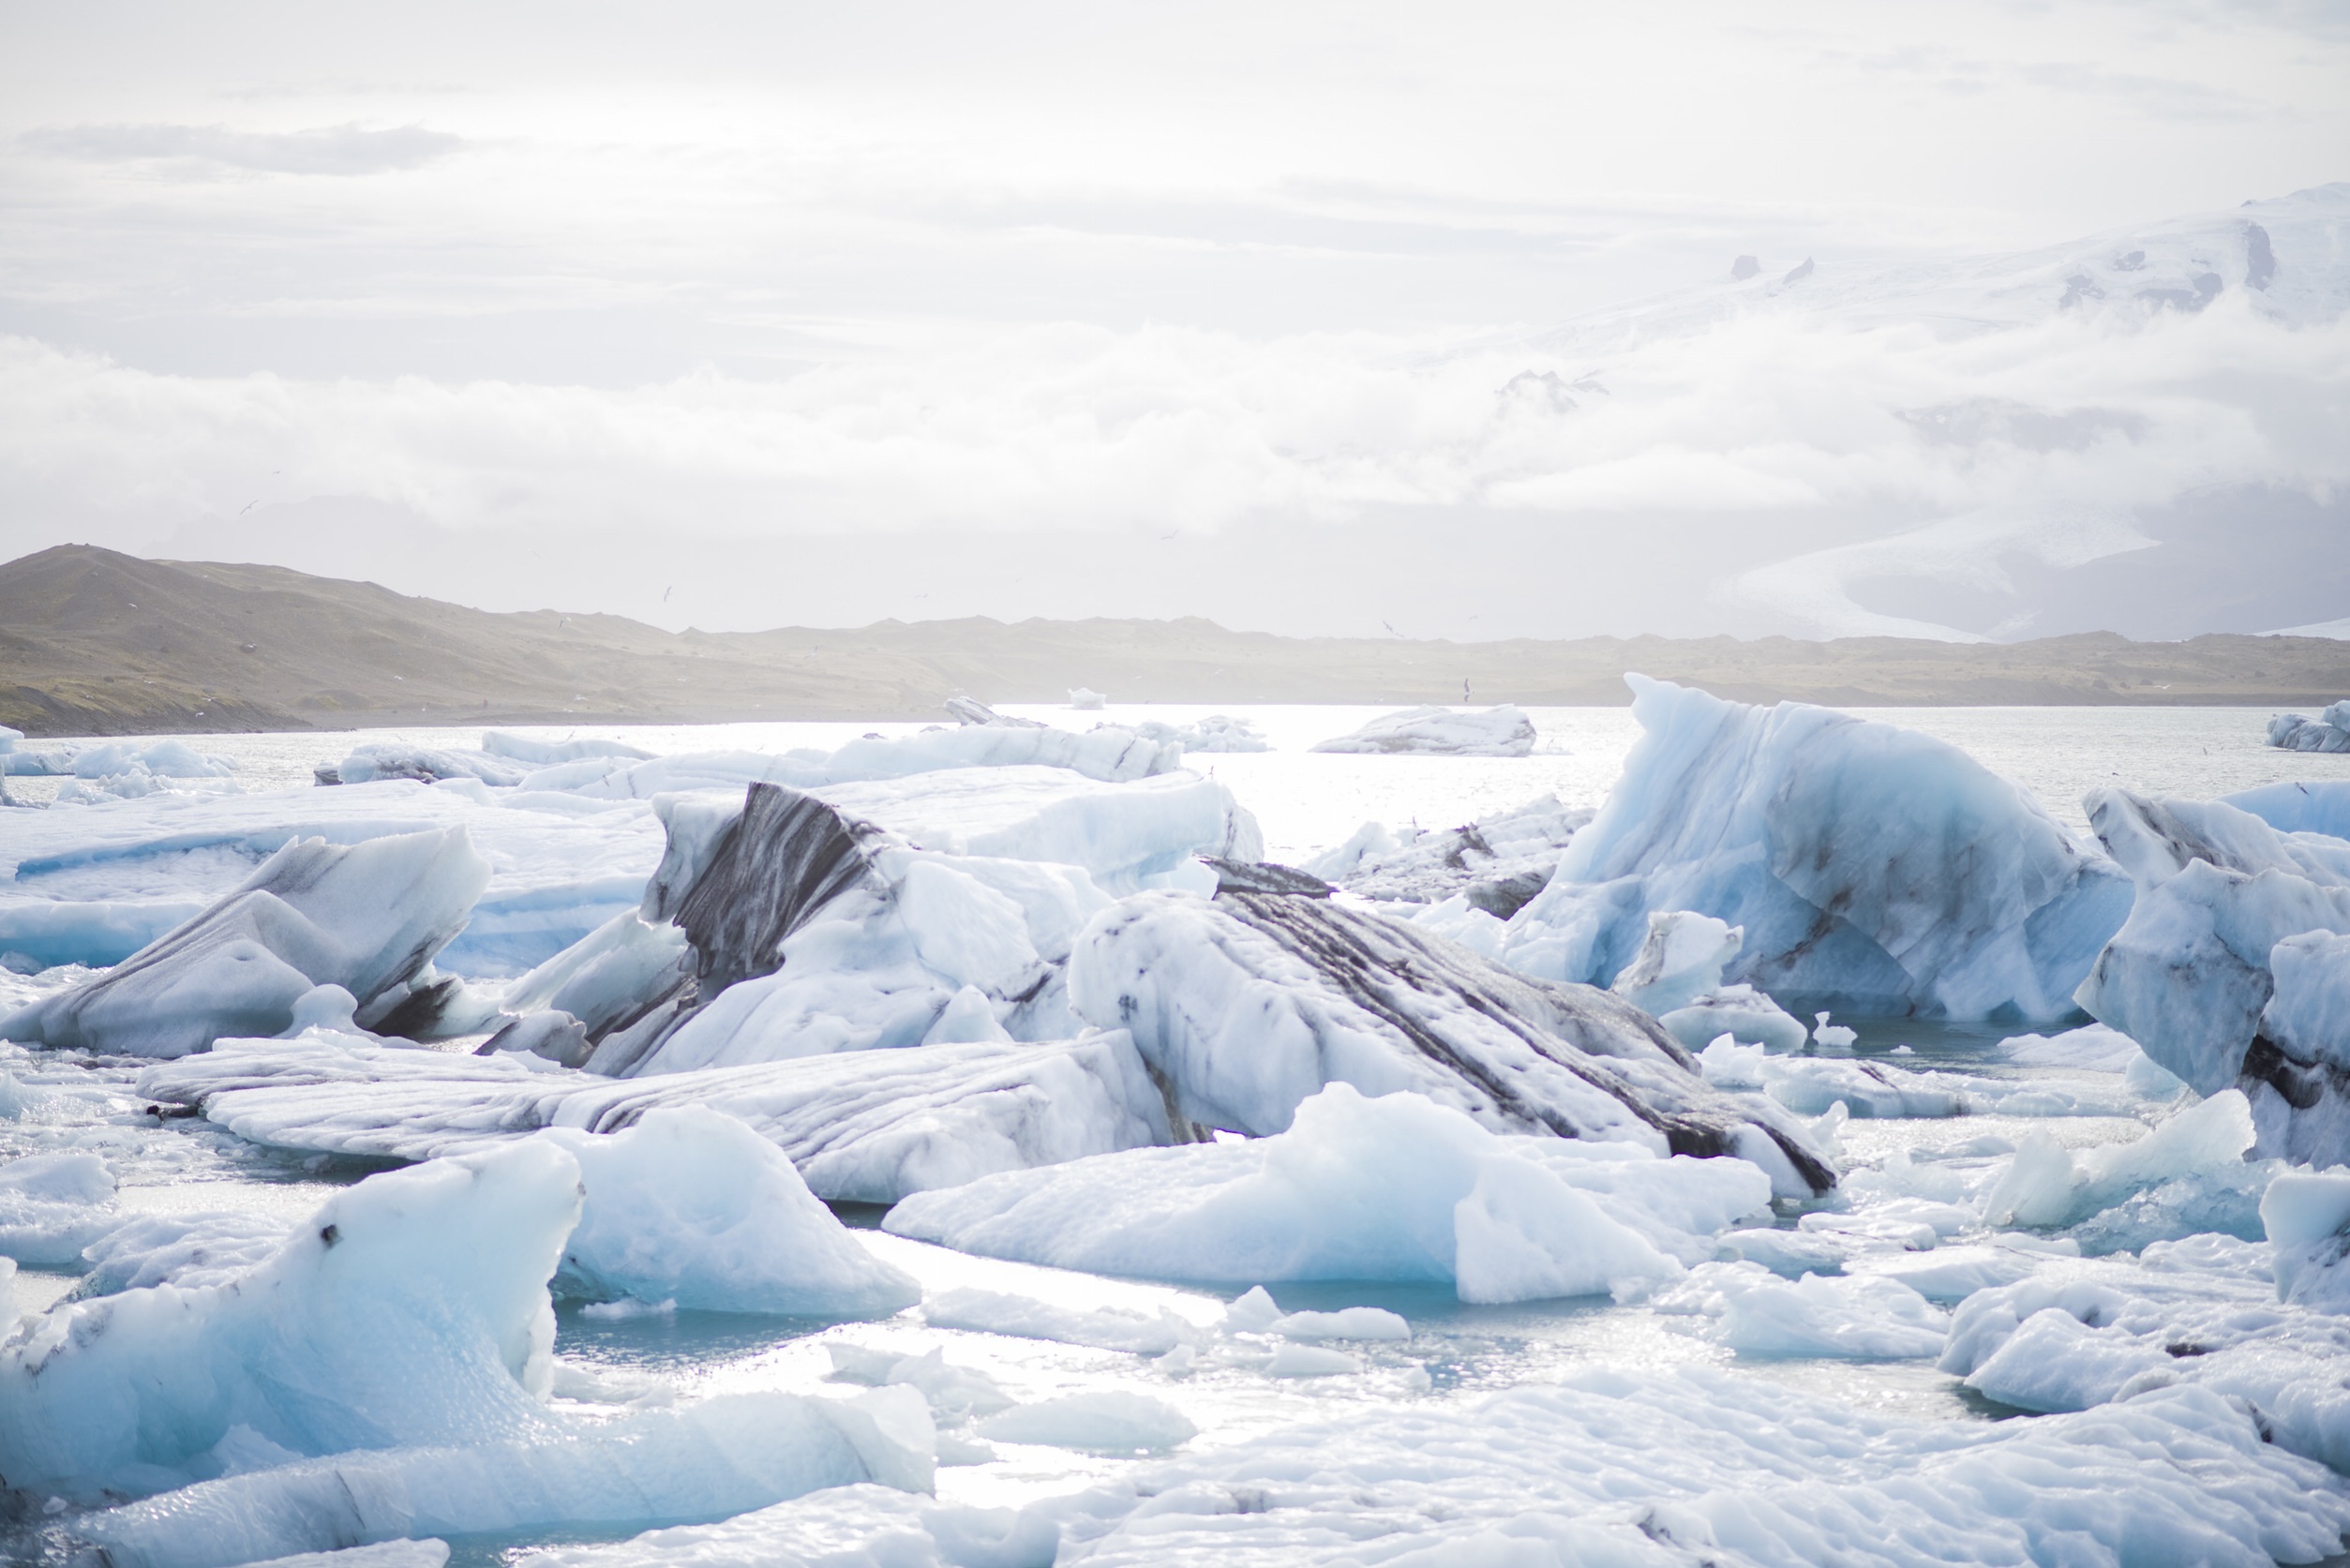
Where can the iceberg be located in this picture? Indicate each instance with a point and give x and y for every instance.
(792, 924)
(1874, 870)
(1246, 1005)
(544, 753)
(1503, 731)
(366, 918)
(2298, 732)
(2225, 972)
(376, 760)
(1394, 1187)
(867, 1126)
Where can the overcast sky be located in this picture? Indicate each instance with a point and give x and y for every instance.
(1021, 289)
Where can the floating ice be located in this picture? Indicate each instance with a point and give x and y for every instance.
(1247, 1004)
(1086, 698)
(2300, 808)
(1503, 731)
(2298, 732)
(2305, 1215)
(1027, 1318)
(1106, 1421)
(375, 760)
(368, 917)
(1755, 1312)
(185, 1249)
(1681, 960)
(1389, 1188)
(1494, 864)
(1108, 755)
(1348, 1322)
(411, 1309)
(709, 1461)
(2191, 976)
(1874, 869)
(171, 759)
(1741, 1011)
(1218, 732)
(867, 1126)
(691, 1206)
(529, 749)
(1640, 1468)
(2191, 1316)
(2048, 1187)
(52, 1206)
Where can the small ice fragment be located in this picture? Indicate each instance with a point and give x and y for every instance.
(1085, 698)
(1831, 1035)
(1351, 1323)
(1108, 1421)
(1310, 1361)
(626, 1307)
(1253, 1313)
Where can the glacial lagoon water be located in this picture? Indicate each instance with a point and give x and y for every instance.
(1305, 802)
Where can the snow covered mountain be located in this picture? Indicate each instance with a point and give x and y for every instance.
(2133, 431)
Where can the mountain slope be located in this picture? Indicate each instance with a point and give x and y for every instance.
(96, 642)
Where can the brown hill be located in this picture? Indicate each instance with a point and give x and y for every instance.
(96, 642)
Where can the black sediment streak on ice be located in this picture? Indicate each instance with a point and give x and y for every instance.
(784, 858)
(1395, 973)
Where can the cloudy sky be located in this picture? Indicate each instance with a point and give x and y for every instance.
(747, 315)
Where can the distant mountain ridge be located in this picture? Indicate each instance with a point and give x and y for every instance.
(97, 642)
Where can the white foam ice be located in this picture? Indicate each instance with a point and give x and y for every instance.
(365, 918)
(1874, 869)
(1394, 1187)
(1430, 731)
(867, 1126)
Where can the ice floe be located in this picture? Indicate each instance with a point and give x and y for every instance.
(1503, 731)
(1492, 865)
(1394, 1187)
(868, 1127)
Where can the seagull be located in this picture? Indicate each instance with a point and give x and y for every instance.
(248, 506)
(1391, 630)
(666, 591)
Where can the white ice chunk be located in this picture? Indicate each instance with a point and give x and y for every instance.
(52, 1206)
(185, 1250)
(2047, 1185)
(1868, 1318)
(1104, 1421)
(1347, 1323)
(531, 749)
(1749, 1017)
(1681, 960)
(691, 1206)
(1389, 1188)
(1503, 731)
(1107, 1328)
